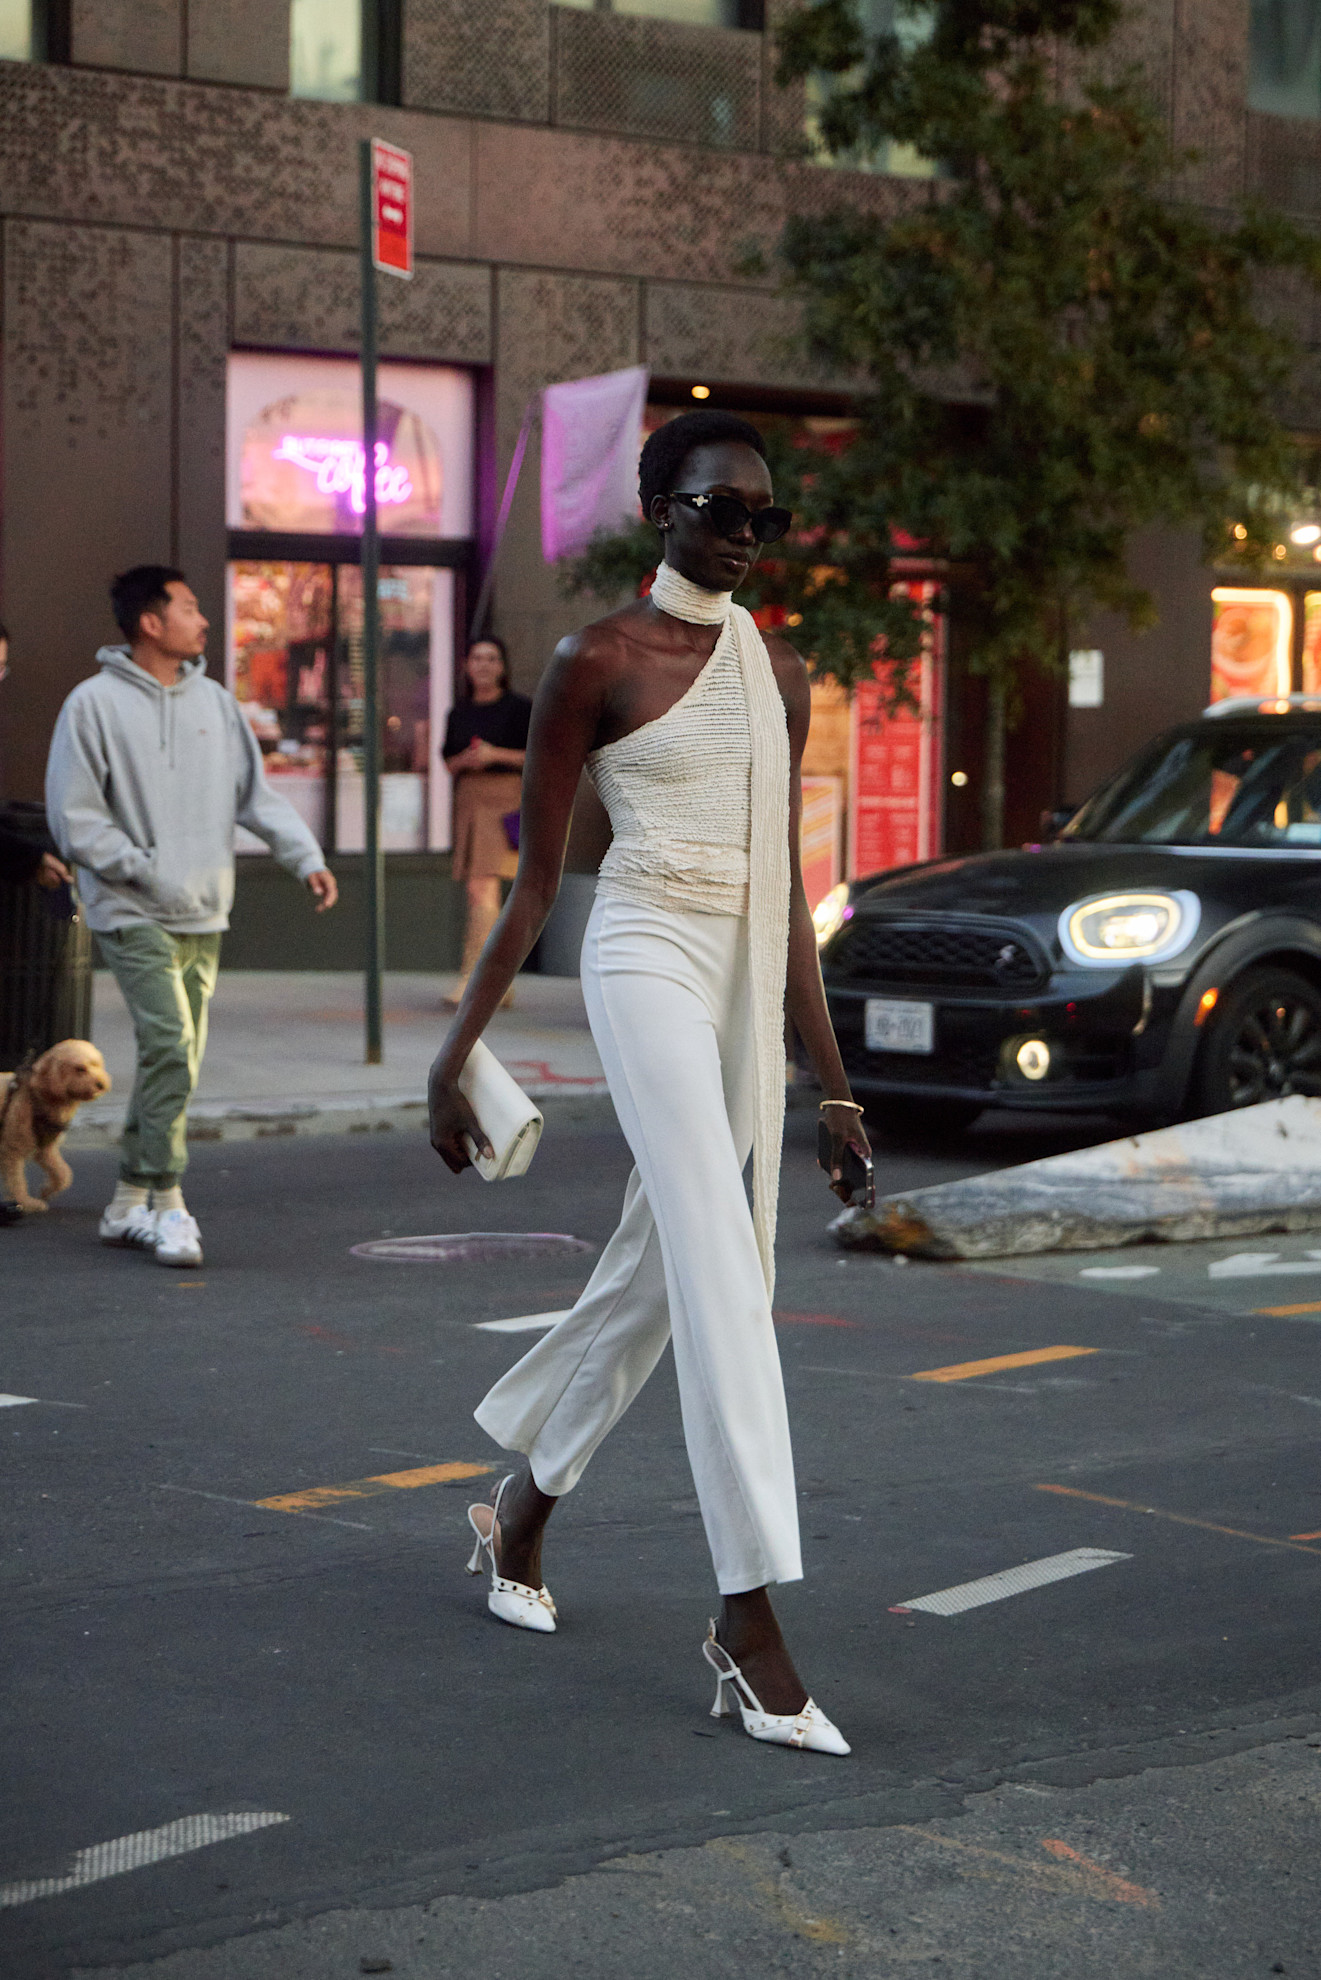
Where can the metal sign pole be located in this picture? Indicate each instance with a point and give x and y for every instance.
(371, 711)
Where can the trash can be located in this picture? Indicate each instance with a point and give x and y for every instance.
(45, 956)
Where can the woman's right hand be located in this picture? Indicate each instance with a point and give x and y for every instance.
(451, 1120)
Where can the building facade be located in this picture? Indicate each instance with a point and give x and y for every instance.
(180, 308)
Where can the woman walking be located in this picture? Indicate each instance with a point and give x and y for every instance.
(692, 728)
(485, 744)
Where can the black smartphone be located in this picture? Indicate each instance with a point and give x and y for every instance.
(857, 1169)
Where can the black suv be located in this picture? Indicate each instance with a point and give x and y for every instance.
(1161, 958)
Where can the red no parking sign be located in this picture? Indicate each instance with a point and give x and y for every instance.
(392, 208)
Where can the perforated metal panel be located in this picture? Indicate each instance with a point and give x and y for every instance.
(482, 58)
(290, 298)
(657, 79)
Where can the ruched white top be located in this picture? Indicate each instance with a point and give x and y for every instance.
(678, 791)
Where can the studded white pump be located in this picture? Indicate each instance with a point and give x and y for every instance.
(809, 1729)
(511, 1601)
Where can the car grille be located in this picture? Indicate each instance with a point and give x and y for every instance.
(958, 954)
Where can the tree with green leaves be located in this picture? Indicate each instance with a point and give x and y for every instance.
(1054, 347)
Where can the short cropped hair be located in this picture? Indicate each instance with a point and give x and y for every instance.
(670, 445)
(143, 589)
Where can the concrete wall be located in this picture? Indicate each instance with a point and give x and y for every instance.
(1152, 679)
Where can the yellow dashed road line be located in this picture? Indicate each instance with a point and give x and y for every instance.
(965, 1371)
(1179, 1519)
(367, 1488)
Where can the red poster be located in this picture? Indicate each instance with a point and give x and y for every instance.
(895, 780)
(392, 208)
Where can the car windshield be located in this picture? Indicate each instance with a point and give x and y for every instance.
(1222, 786)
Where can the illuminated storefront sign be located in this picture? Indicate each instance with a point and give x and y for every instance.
(338, 467)
(1251, 642)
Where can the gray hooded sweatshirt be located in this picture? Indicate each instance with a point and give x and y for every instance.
(144, 787)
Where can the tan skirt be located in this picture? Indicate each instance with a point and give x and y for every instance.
(481, 845)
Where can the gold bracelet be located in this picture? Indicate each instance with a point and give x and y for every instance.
(853, 1105)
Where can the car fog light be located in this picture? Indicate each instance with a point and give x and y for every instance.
(1033, 1058)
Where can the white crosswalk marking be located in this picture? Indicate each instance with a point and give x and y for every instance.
(1012, 1581)
(135, 1852)
(14, 1402)
(1261, 1265)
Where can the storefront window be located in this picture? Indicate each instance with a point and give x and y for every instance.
(303, 469)
(325, 49)
(17, 31)
(1311, 679)
(282, 625)
(296, 641)
(295, 471)
(1285, 68)
(1251, 642)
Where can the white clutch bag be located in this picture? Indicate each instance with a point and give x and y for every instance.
(509, 1120)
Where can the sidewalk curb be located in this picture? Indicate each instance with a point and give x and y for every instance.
(100, 1124)
(339, 1113)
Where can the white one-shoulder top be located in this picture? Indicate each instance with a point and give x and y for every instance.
(678, 791)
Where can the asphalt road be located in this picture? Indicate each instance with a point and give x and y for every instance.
(1106, 1774)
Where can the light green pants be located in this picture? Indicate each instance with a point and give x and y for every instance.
(167, 981)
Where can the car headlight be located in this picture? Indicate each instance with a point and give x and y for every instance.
(1114, 929)
(829, 913)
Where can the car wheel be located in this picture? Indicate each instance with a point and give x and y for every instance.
(1263, 1043)
(901, 1119)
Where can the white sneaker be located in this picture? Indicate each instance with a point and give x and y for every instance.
(134, 1227)
(178, 1240)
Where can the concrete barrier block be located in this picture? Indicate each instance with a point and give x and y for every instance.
(1231, 1175)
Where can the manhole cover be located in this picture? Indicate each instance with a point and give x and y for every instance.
(470, 1247)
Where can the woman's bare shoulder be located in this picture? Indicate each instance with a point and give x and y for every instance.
(791, 673)
(591, 660)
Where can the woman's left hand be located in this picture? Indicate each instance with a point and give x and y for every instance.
(846, 1131)
(480, 753)
(452, 1122)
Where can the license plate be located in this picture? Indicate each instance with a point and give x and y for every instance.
(894, 1026)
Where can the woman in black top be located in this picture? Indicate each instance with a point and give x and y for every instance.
(485, 743)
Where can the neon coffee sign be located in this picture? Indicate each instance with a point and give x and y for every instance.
(338, 466)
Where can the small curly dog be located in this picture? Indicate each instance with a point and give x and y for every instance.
(36, 1107)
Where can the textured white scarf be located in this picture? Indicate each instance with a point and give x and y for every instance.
(768, 881)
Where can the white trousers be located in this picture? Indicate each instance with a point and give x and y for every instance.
(668, 999)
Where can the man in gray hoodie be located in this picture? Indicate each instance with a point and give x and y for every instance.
(151, 767)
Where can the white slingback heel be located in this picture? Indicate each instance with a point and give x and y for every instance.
(809, 1729)
(511, 1601)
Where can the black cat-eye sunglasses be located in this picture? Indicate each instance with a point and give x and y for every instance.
(728, 517)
